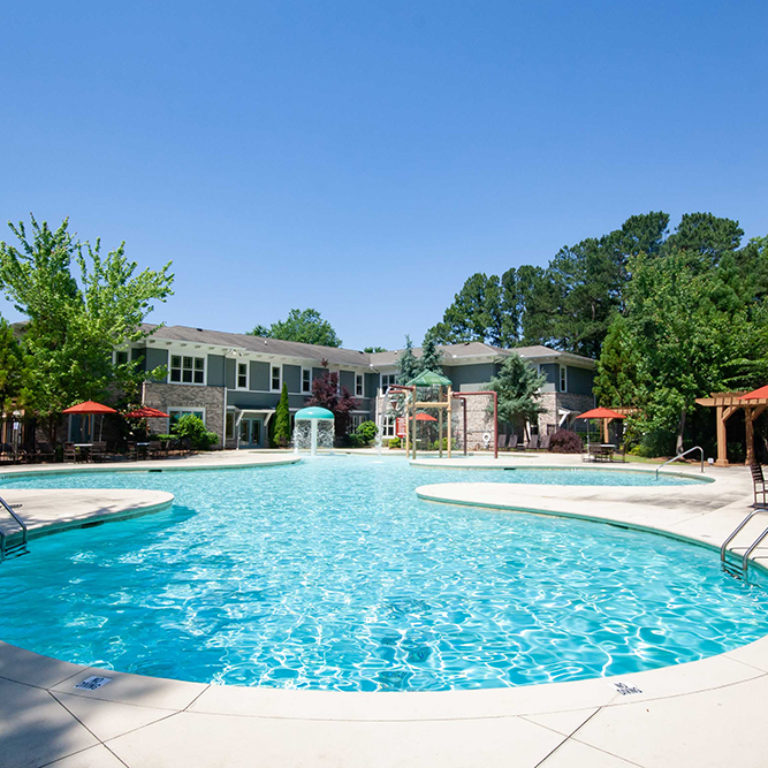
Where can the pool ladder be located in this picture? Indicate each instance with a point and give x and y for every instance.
(8, 549)
(730, 567)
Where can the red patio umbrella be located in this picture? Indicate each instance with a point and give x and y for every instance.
(604, 414)
(146, 412)
(756, 394)
(421, 416)
(89, 408)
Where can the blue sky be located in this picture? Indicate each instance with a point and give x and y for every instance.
(365, 158)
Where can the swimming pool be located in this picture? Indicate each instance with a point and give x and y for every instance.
(331, 575)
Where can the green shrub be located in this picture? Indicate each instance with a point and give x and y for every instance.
(366, 432)
(436, 445)
(192, 427)
(394, 442)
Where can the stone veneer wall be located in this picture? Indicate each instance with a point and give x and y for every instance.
(479, 421)
(553, 401)
(165, 396)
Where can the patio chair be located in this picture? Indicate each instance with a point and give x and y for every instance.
(99, 451)
(44, 452)
(758, 484)
(70, 453)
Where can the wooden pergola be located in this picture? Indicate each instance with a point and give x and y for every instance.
(728, 403)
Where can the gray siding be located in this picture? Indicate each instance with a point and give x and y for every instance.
(580, 381)
(260, 373)
(229, 374)
(153, 358)
(215, 370)
(552, 372)
(470, 375)
(292, 377)
(371, 384)
(347, 379)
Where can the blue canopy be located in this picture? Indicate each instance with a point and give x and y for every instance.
(305, 414)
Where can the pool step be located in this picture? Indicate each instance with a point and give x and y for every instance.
(742, 568)
(20, 547)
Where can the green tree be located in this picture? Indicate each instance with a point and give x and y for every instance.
(518, 386)
(407, 364)
(10, 366)
(75, 320)
(282, 431)
(371, 350)
(691, 328)
(305, 325)
(474, 314)
(430, 355)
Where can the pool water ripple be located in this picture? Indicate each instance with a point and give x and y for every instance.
(332, 575)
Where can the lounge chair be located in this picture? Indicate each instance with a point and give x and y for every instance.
(501, 443)
(533, 443)
(544, 443)
(758, 484)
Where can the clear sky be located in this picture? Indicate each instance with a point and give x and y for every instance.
(365, 158)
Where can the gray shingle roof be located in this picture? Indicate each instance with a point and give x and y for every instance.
(453, 354)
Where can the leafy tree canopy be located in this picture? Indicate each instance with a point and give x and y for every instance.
(305, 325)
(80, 304)
(326, 393)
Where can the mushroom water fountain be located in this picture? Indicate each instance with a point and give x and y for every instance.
(313, 426)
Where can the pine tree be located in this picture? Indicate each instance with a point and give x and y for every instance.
(430, 354)
(408, 366)
(282, 433)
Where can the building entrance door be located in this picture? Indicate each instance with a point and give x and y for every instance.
(251, 433)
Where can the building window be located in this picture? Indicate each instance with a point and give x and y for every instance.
(306, 380)
(242, 375)
(359, 384)
(355, 420)
(120, 357)
(187, 370)
(230, 426)
(388, 426)
(387, 379)
(177, 413)
(276, 378)
(563, 378)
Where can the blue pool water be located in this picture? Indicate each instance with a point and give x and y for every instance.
(331, 575)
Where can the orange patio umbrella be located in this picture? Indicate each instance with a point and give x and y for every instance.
(756, 394)
(146, 412)
(605, 415)
(89, 408)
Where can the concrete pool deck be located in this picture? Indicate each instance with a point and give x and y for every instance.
(706, 713)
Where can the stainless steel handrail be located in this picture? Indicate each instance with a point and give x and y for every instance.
(680, 456)
(736, 531)
(752, 547)
(19, 522)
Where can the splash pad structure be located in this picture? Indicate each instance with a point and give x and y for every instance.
(313, 427)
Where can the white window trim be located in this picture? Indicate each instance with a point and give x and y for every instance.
(563, 381)
(171, 355)
(361, 378)
(247, 365)
(117, 352)
(184, 409)
(301, 381)
(272, 367)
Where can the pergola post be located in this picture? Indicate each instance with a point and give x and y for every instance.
(722, 457)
